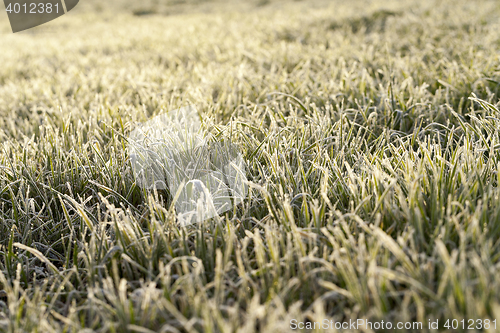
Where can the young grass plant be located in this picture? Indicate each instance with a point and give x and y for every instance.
(371, 144)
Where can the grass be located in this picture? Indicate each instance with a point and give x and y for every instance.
(370, 132)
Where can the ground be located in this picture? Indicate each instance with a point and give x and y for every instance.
(370, 134)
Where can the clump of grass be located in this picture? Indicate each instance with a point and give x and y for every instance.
(373, 156)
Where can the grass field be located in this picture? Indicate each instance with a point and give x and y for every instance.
(371, 136)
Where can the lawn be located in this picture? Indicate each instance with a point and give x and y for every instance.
(370, 135)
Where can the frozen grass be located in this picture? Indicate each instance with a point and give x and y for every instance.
(371, 137)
